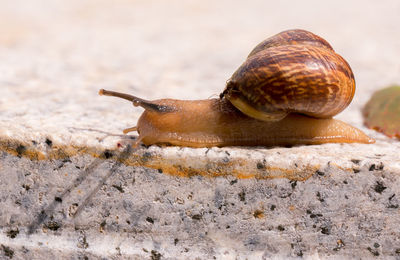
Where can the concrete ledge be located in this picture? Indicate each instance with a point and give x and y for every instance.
(294, 163)
(94, 207)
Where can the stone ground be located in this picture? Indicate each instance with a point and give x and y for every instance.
(69, 191)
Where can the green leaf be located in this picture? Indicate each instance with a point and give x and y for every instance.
(382, 112)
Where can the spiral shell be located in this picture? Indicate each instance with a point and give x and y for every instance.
(294, 71)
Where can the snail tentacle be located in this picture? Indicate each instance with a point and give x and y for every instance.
(146, 104)
(130, 129)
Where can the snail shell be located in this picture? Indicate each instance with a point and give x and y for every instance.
(292, 72)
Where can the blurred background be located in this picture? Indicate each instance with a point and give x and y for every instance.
(55, 55)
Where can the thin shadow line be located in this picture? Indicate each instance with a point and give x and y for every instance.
(47, 211)
(123, 155)
(44, 213)
(107, 134)
(98, 131)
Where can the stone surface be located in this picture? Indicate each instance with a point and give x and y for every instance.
(101, 208)
(72, 186)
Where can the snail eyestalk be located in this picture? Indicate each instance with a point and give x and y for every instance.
(146, 104)
(119, 94)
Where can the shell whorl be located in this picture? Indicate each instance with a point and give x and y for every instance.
(292, 37)
(294, 71)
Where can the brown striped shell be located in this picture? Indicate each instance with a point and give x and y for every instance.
(293, 71)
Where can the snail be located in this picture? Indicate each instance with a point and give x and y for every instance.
(285, 93)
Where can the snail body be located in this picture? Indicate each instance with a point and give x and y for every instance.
(285, 93)
(216, 122)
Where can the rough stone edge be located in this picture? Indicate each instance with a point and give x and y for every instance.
(183, 162)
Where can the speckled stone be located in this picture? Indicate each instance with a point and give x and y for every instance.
(72, 187)
(94, 207)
